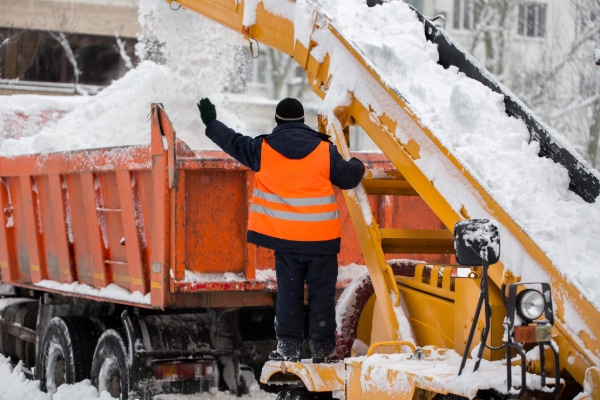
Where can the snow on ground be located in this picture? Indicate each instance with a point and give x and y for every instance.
(16, 386)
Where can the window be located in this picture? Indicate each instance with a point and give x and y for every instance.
(41, 56)
(532, 19)
(464, 14)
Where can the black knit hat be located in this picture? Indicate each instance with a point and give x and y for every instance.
(289, 110)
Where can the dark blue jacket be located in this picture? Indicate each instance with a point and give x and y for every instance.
(293, 140)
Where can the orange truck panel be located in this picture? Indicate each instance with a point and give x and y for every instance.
(159, 219)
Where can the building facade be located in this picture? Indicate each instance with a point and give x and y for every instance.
(65, 47)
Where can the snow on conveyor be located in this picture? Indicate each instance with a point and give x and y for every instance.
(470, 121)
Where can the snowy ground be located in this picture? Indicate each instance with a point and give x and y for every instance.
(15, 386)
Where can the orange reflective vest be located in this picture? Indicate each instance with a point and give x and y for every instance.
(294, 199)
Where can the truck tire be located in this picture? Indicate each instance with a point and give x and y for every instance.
(66, 352)
(110, 372)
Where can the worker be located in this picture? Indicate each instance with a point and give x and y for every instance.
(294, 212)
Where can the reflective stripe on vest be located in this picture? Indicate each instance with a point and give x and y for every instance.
(304, 207)
(295, 201)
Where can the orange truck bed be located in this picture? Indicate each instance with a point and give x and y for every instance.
(163, 222)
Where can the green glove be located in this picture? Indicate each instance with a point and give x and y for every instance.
(207, 110)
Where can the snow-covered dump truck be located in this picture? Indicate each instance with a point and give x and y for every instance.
(128, 265)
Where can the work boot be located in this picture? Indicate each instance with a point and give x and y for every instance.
(277, 356)
(330, 359)
(287, 350)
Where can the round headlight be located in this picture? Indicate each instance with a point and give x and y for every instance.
(530, 304)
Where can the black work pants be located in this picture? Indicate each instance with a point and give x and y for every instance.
(320, 274)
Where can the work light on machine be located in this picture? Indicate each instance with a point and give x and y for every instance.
(529, 321)
(529, 312)
(530, 304)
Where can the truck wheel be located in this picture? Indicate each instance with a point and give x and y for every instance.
(66, 352)
(109, 367)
